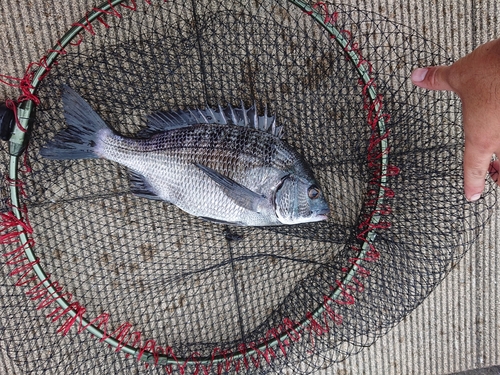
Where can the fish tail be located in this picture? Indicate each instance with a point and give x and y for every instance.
(81, 139)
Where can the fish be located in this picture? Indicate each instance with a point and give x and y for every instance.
(224, 165)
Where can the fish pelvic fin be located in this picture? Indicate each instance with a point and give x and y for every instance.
(80, 140)
(216, 221)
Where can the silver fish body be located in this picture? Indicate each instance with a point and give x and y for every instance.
(226, 166)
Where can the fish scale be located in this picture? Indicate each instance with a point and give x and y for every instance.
(167, 161)
(231, 168)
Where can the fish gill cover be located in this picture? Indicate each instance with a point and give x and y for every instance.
(192, 297)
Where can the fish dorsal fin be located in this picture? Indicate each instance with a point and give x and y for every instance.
(159, 122)
(249, 118)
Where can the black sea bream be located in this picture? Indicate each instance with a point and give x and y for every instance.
(225, 165)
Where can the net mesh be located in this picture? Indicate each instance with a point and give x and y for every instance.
(217, 299)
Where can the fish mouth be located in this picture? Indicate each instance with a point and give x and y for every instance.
(322, 214)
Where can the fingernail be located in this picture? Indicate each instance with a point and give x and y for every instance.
(418, 75)
(475, 197)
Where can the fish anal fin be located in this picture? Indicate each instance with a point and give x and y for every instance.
(140, 187)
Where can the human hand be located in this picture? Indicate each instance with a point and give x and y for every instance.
(475, 78)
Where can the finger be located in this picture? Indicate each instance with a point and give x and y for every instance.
(476, 165)
(494, 171)
(432, 78)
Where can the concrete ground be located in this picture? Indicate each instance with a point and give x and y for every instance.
(457, 328)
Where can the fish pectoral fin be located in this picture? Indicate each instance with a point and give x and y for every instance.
(140, 187)
(240, 194)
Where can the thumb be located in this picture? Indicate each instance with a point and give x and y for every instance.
(476, 166)
(432, 78)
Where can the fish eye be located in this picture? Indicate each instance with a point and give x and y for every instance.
(313, 192)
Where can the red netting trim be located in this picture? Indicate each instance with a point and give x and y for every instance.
(25, 83)
(254, 354)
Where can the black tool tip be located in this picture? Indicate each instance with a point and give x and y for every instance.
(7, 122)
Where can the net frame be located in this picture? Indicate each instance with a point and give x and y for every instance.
(73, 311)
